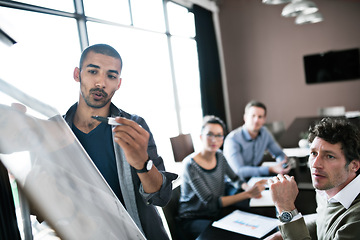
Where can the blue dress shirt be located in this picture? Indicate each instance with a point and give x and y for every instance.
(244, 154)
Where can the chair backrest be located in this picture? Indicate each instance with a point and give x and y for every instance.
(171, 212)
(276, 128)
(182, 146)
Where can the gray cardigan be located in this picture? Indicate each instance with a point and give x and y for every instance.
(334, 222)
(139, 204)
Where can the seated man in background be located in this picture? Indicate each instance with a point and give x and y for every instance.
(203, 185)
(334, 161)
(245, 146)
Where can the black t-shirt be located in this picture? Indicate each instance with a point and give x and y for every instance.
(99, 145)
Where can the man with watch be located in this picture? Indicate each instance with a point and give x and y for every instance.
(124, 151)
(335, 162)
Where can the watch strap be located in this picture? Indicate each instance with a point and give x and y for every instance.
(144, 169)
(294, 212)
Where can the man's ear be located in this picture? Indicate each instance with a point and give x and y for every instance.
(76, 74)
(354, 165)
(120, 80)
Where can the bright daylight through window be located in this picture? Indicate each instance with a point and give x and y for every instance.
(156, 41)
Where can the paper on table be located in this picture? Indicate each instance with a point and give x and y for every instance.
(296, 152)
(253, 180)
(268, 164)
(264, 201)
(291, 162)
(247, 223)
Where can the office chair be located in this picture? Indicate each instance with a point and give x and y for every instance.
(277, 128)
(182, 146)
(171, 213)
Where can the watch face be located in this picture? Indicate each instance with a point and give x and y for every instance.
(149, 165)
(285, 217)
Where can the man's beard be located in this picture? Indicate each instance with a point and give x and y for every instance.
(87, 98)
(96, 104)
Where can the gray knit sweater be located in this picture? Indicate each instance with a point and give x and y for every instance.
(201, 189)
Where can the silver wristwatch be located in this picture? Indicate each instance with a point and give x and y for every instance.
(288, 216)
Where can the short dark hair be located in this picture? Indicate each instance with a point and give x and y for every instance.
(338, 130)
(213, 119)
(102, 49)
(254, 103)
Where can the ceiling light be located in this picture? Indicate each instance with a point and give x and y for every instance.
(275, 2)
(297, 7)
(309, 18)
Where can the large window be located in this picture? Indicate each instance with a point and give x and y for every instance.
(156, 39)
(42, 62)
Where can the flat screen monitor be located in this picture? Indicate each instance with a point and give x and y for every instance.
(332, 66)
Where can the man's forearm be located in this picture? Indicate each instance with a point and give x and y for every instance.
(151, 180)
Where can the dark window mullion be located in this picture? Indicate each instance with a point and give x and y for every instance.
(33, 8)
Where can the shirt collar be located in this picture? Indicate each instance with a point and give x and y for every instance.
(347, 195)
(246, 134)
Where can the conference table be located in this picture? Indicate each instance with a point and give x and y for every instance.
(305, 203)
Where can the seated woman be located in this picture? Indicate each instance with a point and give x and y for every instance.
(203, 181)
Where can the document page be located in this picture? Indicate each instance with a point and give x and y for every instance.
(253, 180)
(296, 152)
(264, 201)
(247, 223)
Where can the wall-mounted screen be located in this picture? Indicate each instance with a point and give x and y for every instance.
(332, 66)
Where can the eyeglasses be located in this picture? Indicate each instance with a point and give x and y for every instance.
(213, 136)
